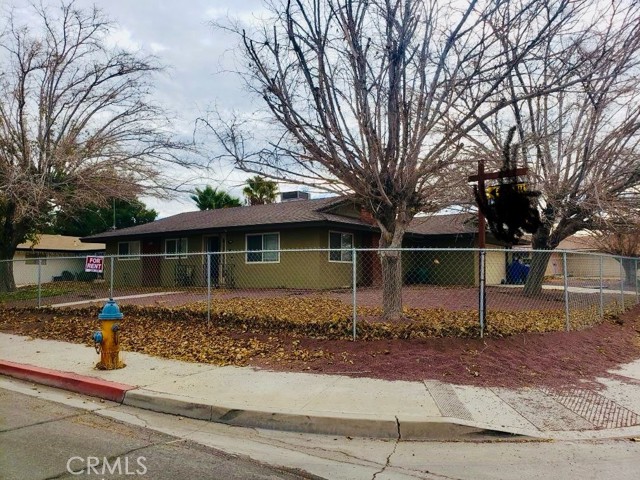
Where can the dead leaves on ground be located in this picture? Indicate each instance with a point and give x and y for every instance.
(320, 317)
(188, 339)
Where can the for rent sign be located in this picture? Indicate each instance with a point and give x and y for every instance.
(94, 264)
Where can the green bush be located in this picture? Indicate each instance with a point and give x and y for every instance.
(67, 276)
(86, 276)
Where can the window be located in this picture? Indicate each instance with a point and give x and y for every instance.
(264, 241)
(342, 241)
(175, 248)
(129, 250)
(32, 258)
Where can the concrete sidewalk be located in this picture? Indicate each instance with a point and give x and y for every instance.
(332, 404)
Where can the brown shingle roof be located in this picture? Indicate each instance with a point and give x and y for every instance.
(452, 224)
(60, 243)
(292, 212)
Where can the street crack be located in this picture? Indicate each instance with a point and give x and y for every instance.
(395, 446)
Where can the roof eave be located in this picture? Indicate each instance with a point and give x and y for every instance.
(270, 226)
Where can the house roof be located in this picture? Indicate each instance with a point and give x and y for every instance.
(316, 211)
(284, 213)
(585, 243)
(60, 243)
(451, 224)
(579, 242)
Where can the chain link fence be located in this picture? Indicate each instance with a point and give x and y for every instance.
(561, 289)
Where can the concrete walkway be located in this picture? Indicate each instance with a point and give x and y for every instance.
(572, 289)
(101, 301)
(333, 404)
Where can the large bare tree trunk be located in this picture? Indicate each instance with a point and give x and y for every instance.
(539, 262)
(391, 261)
(630, 273)
(7, 283)
(540, 243)
(10, 236)
(391, 284)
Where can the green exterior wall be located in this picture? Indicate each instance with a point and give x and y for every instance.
(186, 270)
(440, 267)
(451, 267)
(301, 270)
(304, 270)
(159, 270)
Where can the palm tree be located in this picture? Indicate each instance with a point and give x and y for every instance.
(211, 198)
(260, 190)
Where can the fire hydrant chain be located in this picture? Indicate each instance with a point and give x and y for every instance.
(97, 341)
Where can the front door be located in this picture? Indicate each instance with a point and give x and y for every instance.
(151, 248)
(213, 246)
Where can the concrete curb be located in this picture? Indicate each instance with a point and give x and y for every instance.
(344, 425)
(334, 423)
(331, 423)
(379, 426)
(94, 387)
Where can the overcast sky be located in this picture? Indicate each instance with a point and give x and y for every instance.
(199, 59)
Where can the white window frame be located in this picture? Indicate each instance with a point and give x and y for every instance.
(184, 241)
(246, 247)
(130, 256)
(342, 251)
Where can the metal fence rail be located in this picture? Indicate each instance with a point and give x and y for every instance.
(573, 289)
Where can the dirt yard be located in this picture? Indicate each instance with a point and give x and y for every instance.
(550, 359)
(499, 298)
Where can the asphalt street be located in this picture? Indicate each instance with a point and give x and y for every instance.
(45, 432)
(40, 439)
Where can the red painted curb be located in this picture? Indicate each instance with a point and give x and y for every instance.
(94, 387)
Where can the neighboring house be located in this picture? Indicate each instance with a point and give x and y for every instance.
(158, 253)
(453, 267)
(55, 254)
(583, 259)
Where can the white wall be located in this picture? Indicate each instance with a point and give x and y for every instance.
(496, 270)
(584, 265)
(27, 274)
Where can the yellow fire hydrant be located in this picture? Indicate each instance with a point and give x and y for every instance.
(107, 340)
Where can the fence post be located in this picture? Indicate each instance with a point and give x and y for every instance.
(621, 285)
(601, 291)
(39, 282)
(482, 300)
(208, 288)
(111, 278)
(354, 272)
(566, 292)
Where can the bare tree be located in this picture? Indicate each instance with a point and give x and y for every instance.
(75, 125)
(620, 235)
(621, 242)
(581, 144)
(373, 98)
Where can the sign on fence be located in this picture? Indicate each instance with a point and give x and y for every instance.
(94, 264)
(494, 190)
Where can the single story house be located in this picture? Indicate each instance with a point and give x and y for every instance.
(583, 259)
(55, 254)
(245, 244)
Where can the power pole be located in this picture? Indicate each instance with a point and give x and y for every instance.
(480, 177)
